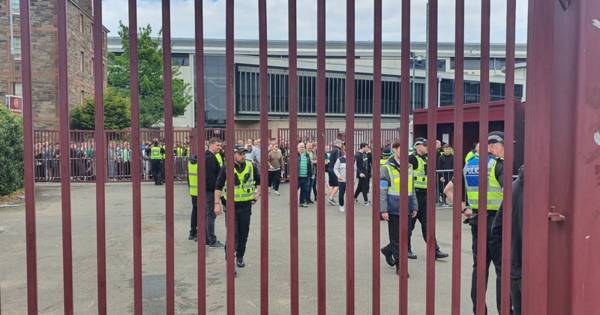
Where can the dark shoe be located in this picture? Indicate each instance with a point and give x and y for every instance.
(309, 202)
(389, 258)
(240, 262)
(411, 255)
(439, 254)
(192, 237)
(216, 244)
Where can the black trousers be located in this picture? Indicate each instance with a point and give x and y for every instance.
(275, 179)
(243, 211)
(421, 195)
(363, 187)
(493, 255)
(342, 193)
(515, 295)
(393, 247)
(156, 171)
(210, 216)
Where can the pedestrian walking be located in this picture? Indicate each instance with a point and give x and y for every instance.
(339, 169)
(445, 166)
(389, 197)
(336, 152)
(305, 172)
(275, 158)
(495, 165)
(418, 160)
(363, 173)
(156, 153)
(246, 192)
(310, 148)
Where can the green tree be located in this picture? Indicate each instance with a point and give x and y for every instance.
(150, 69)
(117, 112)
(11, 152)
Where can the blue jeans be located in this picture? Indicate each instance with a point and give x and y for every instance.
(304, 186)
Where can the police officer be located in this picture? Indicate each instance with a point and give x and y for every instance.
(389, 197)
(418, 160)
(246, 192)
(385, 156)
(495, 163)
(156, 154)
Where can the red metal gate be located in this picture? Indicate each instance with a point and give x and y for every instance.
(563, 66)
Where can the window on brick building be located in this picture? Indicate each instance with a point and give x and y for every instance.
(82, 62)
(18, 89)
(81, 24)
(82, 97)
(15, 48)
(14, 7)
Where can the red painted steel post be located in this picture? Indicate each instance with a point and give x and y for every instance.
(432, 153)
(28, 166)
(375, 215)
(509, 129)
(293, 148)
(321, 104)
(230, 143)
(404, 134)
(100, 156)
(264, 148)
(200, 137)
(136, 160)
(482, 214)
(65, 178)
(350, 55)
(459, 76)
(169, 187)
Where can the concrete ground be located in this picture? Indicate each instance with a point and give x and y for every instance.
(120, 264)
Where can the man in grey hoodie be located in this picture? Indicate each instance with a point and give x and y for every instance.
(389, 197)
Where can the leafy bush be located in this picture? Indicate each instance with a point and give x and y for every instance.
(117, 113)
(11, 152)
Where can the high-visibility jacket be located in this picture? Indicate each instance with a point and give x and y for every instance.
(393, 188)
(155, 153)
(420, 173)
(245, 189)
(219, 159)
(193, 178)
(164, 155)
(494, 191)
(179, 152)
(382, 162)
(469, 156)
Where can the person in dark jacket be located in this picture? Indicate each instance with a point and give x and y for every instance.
(445, 165)
(363, 172)
(214, 163)
(516, 239)
(304, 174)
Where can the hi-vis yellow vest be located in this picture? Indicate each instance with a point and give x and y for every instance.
(219, 159)
(394, 188)
(155, 153)
(420, 173)
(193, 178)
(494, 191)
(245, 191)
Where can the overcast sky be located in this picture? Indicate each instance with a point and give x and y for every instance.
(246, 19)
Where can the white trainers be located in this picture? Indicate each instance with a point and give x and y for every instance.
(342, 209)
(277, 192)
(332, 201)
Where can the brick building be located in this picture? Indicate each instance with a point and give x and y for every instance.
(44, 45)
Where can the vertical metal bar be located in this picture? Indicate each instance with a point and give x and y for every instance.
(376, 272)
(99, 139)
(483, 161)
(509, 128)
(432, 154)
(264, 148)
(28, 165)
(63, 101)
(169, 205)
(200, 136)
(459, 76)
(230, 143)
(404, 134)
(321, 88)
(136, 160)
(350, 55)
(293, 142)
